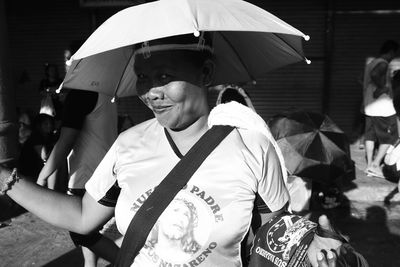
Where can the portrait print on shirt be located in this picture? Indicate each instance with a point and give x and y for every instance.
(181, 234)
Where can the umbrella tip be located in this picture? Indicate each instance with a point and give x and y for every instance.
(196, 33)
(307, 61)
(306, 37)
(113, 99)
(58, 90)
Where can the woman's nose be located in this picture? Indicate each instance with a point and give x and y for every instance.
(156, 93)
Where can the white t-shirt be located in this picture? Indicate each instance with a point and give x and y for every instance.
(383, 105)
(206, 222)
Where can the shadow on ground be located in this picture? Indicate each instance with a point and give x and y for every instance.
(71, 258)
(370, 232)
(26, 240)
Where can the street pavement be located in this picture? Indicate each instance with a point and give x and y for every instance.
(370, 218)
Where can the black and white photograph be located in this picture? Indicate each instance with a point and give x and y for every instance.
(207, 133)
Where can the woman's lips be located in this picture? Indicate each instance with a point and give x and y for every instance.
(160, 109)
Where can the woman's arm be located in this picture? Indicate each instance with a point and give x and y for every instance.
(80, 215)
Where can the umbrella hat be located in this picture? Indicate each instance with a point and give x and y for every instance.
(247, 42)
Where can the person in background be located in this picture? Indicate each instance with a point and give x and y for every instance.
(380, 120)
(36, 150)
(235, 93)
(391, 168)
(51, 103)
(24, 132)
(52, 80)
(88, 129)
(25, 126)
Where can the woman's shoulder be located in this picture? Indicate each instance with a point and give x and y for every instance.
(251, 127)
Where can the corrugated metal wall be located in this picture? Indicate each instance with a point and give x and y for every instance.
(299, 85)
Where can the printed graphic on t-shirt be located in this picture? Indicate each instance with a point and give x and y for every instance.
(182, 235)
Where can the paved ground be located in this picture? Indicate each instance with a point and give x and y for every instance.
(371, 220)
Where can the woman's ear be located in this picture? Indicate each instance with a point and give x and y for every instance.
(208, 72)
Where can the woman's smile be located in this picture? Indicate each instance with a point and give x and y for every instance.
(158, 109)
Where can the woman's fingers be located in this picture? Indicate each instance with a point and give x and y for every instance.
(331, 258)
(327, 259)
(321, 260)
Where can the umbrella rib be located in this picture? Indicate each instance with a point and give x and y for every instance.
(280, 38)
(126, 66)
(237, 55)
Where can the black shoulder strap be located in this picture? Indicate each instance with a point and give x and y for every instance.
(164, 193)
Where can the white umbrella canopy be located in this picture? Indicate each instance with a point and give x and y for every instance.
(247, 41)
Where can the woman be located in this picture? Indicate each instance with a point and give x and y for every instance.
(172, 79)
(36, 150)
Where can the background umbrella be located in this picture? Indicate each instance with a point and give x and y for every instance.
(248, 42)
(313, 146)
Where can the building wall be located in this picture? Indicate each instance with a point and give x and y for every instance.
(38, 34)
(298, 86)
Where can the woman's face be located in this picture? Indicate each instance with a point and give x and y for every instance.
(172, 87)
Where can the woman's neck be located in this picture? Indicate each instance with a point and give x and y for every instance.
(185, 139)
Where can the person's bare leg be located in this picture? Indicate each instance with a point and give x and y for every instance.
(375, 169)
(90, 259)
(52, 181)
(369, 150)
(379, 155)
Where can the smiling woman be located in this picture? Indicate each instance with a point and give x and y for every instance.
(172, 75)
